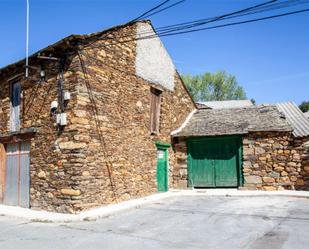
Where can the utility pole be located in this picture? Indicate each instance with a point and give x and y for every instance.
(27, 40)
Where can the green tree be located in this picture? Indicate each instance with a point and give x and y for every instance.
(304, 106)
(217, 86)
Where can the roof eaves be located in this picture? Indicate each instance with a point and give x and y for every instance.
(65, 40)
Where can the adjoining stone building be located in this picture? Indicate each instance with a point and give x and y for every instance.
(91, 124)
(254, 147)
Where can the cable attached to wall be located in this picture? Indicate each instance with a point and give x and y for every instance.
(97, 122)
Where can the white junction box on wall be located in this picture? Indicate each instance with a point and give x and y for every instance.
(62, 119)
(67, 96)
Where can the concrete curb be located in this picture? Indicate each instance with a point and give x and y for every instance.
(92, 214)
(105, 211)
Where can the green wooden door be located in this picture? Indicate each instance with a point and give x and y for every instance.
(202, 168)
(162, 166)
(214, 162)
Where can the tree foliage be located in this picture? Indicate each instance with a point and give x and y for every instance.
(217, 86)
(304, 106)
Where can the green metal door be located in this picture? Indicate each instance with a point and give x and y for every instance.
(215, 162)
(162, 166)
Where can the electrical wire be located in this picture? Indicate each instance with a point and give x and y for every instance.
(164, 34)
(210, 19)
(254, 10)
(267, 6)
(273, 6)
(168, 7)
(149, 11)
(238, 23)
(225, 15)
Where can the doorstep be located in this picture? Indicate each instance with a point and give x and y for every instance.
(113, 209)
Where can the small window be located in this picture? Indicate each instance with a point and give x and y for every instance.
(15, 106)
(155, 103)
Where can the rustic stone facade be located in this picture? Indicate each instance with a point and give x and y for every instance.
(180, 171)
(106, 153)
(302, 146)
(120, 160)
(50, 169)
(274, 161)
(271, 161)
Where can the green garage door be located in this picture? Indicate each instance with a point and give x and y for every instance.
(215, 161)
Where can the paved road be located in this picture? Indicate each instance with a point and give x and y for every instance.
(182, 222)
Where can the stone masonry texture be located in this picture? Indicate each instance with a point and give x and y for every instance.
(271, 161)
(106, 153)
(275, 161)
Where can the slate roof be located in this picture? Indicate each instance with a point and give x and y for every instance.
(296, 118)
(227, 104)
(211, 122)
(66, 43)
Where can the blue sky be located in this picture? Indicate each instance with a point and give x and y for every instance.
(270, 58)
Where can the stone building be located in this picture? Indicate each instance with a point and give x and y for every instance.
(262, 147)
(91, 124)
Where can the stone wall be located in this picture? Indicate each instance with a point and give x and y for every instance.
(301, 145)
(112, 117)
(180, 171)
(51, 169)
(106, 153)
(273, 161)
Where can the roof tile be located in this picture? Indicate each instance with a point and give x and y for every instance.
(211, 122)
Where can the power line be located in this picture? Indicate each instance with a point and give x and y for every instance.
(216, 17)
(168, 7)
(267, 6)
(209, 19)
(149, 11)
(226, 15)
(200, 29)
(237, 23)
(271, 5)
(260, 9)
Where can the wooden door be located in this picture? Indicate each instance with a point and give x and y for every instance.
(202, 168)
(214, 162)
(226, 163)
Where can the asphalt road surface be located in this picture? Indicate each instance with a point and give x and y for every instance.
(180, 222)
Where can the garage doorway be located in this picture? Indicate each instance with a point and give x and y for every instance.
(2, 170)
(215, 161)
(16, 183)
